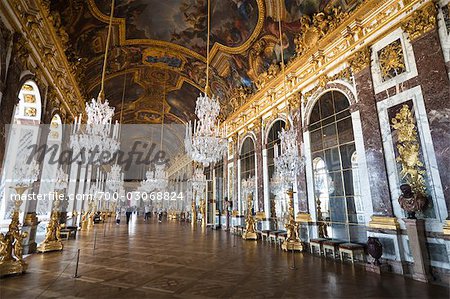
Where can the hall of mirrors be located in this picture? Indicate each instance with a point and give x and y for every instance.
(308, 136)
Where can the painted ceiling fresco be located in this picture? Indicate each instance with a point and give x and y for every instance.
(184, 22)
(163, 43)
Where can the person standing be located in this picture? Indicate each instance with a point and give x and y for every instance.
(118, 212)
(128, 213)
(147, 212)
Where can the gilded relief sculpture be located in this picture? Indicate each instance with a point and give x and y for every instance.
(392, 61)
(413, 198)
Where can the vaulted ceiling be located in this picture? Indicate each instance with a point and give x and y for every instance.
(158, 48)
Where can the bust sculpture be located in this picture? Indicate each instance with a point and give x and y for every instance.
(410, 201)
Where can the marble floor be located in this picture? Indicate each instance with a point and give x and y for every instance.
(171, 260)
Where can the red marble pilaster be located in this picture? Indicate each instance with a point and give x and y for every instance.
(376, 168)
(259, 165)
(434, 81)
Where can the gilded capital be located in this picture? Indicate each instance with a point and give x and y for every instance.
(360, 60)
(420, 22)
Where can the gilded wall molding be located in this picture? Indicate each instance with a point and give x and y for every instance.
(360, 60)
(421, 21)
(43, 44)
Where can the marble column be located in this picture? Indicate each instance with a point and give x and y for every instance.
(379, 184)
(259, 165)
(434, 81)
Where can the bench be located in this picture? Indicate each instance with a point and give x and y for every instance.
(316, 245)
(331, 246)
(281, 237)
(69, 232)
(351, 250)
(265, 234)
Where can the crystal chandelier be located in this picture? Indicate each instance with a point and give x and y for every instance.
(114, 179)
(205, 142)
(248, 185)
(198, 180)
(289, 163)
(62, 179)
(99, 134)
(25, 174)
(278, 184)
(155, 179)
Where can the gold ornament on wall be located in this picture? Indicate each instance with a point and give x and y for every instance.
(421, 21)
(391, 60)
(316, 27)
(408, 146)
(360, 60)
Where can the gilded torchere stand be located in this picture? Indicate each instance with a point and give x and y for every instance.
(203, 212)
(250, 231)
(11, 248)
(193, 213)
(52, 241)
(292, 241)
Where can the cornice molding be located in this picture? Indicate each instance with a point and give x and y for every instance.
(373, 19)
(32, 19)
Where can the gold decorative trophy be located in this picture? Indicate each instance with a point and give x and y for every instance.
(292, 241)
(11, 248)
(52, 241)
(193, 213)
(203, 212)
(250, 229)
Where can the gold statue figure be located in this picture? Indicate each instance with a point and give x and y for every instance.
(250, 230)
(193, 213)
(11, 248)
(52, 241)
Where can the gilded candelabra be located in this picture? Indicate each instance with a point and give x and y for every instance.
(292, 241)
(203, 212)
(11, 248)
(250, 229)
(52, 241)
(193, 213)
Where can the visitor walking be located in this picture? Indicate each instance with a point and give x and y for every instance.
(147, 212)
(128, 213)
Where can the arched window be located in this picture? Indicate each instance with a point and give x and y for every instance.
(29, 106)
(247, 164)
(336, 181)
(273, 141)
(247, 159)
(23, 135)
